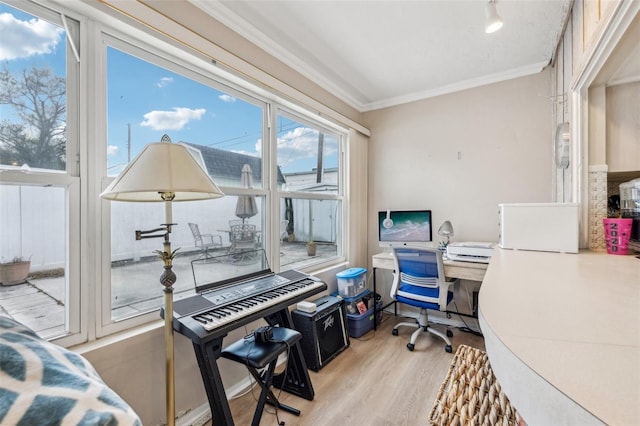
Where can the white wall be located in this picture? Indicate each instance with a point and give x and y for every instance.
(462, 154)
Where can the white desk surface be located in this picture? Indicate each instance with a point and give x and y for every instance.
(452, 269)
(562, 332)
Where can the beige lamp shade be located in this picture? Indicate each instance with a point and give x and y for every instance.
(162, 167)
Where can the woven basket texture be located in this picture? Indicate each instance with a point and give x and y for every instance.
(470, 393)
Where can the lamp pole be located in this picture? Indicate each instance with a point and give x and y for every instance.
(167, 279)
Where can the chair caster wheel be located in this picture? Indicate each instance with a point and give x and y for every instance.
(410, 346)
(449, 333)
(394, 331)
(448, 348)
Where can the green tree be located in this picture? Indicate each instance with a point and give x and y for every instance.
(38, 99)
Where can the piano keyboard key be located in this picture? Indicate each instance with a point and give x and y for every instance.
(218, 317)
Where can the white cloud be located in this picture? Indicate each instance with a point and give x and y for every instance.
(112, 150)
(21, 39)
(164, 82)
(171, 120)
(227, 98)
(300, 143)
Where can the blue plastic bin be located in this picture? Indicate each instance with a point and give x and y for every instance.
(360, 324)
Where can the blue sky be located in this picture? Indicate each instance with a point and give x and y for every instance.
(154, 101)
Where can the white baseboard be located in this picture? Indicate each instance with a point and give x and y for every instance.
(198, 416)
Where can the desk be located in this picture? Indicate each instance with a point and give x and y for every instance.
(562, 332)
(453, 269)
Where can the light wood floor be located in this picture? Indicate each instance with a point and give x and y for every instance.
(375, 381)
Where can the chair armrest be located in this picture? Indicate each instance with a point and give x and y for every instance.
(210, 239)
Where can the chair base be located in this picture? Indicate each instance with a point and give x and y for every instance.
(204, 255)
(422, 325)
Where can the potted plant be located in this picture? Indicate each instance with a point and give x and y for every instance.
(15, 271)
(311, 248)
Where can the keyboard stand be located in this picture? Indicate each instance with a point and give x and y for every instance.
(296, 382)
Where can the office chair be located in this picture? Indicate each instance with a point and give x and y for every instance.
(204, 241)
(418, 280)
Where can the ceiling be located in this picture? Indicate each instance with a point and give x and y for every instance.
(378, 53)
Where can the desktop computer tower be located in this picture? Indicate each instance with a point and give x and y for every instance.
(324, 332)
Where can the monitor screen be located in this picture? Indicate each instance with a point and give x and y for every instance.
(397, 228)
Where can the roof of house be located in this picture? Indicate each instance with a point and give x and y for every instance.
(228, 165)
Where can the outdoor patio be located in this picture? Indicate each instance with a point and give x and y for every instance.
(39, 303)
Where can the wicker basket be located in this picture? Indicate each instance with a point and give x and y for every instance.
(470, 393)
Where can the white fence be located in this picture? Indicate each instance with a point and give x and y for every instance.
(33, 224)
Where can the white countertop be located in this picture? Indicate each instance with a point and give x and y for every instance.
(563, 334)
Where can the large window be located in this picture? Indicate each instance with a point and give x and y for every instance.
(310, 201)
(279, 166)
(39, 188)
(227, 131)
(147, 97)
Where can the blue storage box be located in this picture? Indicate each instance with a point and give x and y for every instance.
(360, 324)
(351, 282)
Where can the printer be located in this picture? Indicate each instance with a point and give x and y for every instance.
(470, 251)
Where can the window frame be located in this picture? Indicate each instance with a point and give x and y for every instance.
(205, 73)
(342, 135)
(168, 58)
(70, 178)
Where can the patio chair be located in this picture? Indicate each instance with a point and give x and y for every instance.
(204, 241)
(243, 239)
(235, 222)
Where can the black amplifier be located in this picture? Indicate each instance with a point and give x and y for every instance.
(324, 332)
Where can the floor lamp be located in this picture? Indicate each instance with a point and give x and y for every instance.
(164, 172)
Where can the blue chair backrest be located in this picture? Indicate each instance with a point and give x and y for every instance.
(416, 262)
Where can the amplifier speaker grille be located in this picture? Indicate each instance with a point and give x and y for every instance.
(324, 332)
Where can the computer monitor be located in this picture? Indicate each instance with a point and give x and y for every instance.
(398, 228)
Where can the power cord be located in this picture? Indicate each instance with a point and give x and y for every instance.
(252, 336)
(277, 401)
(466, 327)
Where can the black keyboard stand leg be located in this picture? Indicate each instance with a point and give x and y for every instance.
(266, 383)
(207, 355)
(297, 380)
(271, 399)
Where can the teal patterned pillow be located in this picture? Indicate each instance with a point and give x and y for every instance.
(44, 384)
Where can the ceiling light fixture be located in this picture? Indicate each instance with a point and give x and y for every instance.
(493, 20)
